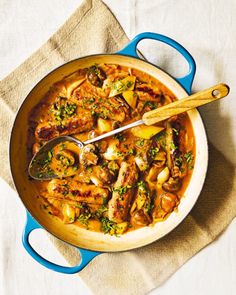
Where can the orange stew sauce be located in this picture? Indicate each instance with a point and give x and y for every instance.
(128, 181)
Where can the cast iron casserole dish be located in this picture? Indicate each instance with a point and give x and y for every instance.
(91, 244)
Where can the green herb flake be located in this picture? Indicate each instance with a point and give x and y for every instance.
(132, 151)
(120, 137)
(172, 146)
(150, 104)
(153, 152)
(140, 142)
(122, 189)
(100, 211)
(84, 218)
(189, 159)
(108, 226)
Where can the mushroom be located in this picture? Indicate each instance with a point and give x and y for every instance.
(88, 156)
(141, 161)
(160, 159)
(101, 176)
(168, 201)
(140, 218)
(65, 157)
(112, 152)
(69, 213)
(96, 76)
(141, 205)
(163, 176)
(172, 185)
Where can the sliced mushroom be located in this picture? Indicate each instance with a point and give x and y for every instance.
(153, 172)
(141, 161)
(88, 156)
(112, 152)
(172, 185)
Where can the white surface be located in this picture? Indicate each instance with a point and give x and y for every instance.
(207, 29)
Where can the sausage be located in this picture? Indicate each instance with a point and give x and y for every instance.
(81, 123)
(123, 191)
(76, 191)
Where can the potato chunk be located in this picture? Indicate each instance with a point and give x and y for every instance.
(131, 98)
(146, 132)
(122, 85)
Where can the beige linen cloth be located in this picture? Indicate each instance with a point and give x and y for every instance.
(93, 29)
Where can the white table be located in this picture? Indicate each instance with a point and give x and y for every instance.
(24, 26)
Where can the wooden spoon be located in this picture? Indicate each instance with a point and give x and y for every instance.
(160, 114)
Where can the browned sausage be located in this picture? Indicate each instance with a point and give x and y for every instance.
(82, 122)
(76, 191)
(123, 191)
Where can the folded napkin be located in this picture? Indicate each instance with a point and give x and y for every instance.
(93, 29)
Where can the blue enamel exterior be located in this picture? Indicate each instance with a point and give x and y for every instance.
(185, 82)
(86, 255)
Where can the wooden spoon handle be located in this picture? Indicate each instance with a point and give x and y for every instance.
(180, 106)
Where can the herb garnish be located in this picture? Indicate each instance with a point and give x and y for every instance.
(84, 218)
(120, 137)
(189, 159)
(140, 142)
(62, 112)
(108, 226)
(151, 104)
(100, 211)
(153, 152)
(122, 189)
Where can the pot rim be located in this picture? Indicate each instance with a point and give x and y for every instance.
(45, 77)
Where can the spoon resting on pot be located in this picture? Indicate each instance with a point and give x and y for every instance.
(149, 118)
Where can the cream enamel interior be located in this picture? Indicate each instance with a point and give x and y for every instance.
(73, 234)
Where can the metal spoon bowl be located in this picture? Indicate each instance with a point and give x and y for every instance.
(35, 166)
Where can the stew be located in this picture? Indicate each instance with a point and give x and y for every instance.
(128, 181)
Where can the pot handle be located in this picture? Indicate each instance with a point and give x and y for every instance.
(131, 50)
(86, 255)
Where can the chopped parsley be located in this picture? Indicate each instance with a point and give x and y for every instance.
(108, 226)
(142, 185)
(90, 100)
(140, 142)
(122, 189)
(84, 218)
(153, 152)
(161, 139)
(150, 104)
(173, 146)
(120, 137)
(64, 111)
(178, 161)
(132, 151)
(148, 207)
(189, 159)
(100, 211)
(175, 131)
